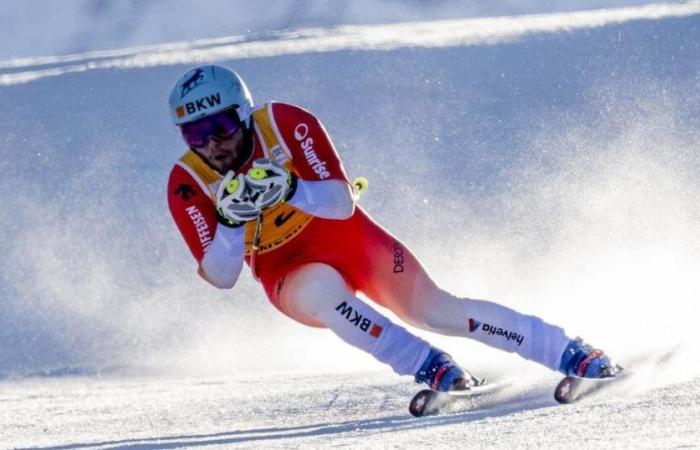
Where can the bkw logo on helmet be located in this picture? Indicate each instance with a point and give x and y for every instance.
(206, 90)
(198, 105)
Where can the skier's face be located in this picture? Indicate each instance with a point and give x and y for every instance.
(219, 139)
(224, 154)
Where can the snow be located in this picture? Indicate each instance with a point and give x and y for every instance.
(547, 161)
(35, 28)
(359, 410)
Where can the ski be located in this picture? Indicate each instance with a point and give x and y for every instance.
(428, 402)
(572, 388)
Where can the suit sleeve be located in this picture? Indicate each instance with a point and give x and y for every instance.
(192, 210)
(330, 199)
(314, 157)
(218, 249)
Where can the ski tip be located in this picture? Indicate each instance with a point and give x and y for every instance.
(571, 388)
(428, 402)
(424, 403)
(565, 391)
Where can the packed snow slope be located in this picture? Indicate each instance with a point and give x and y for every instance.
(31, 28)
(548, 162)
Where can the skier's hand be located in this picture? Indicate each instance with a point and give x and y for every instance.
(234, 200)
(272, 180)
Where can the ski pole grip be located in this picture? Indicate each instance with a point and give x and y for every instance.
(359, 186)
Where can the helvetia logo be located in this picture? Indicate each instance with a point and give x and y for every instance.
(475, 325)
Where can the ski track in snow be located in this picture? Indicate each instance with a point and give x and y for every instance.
(436, 34)
(365, 410)
(653, 408)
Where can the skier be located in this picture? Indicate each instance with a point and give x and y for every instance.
(265, 185)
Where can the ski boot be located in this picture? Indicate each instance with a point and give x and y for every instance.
(441, 373)
(582, 360)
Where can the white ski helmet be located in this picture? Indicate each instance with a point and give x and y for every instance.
(208, 89)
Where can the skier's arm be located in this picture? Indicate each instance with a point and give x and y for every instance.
(330, 199)
(218, 249)
(323, 188)
(223, 260)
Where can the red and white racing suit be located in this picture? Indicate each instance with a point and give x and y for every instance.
(317, 250)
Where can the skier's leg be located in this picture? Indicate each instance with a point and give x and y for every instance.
(395, 279)
(490, 323)
(317, 295)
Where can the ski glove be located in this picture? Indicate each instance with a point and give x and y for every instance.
(273, 182)
(234, 200)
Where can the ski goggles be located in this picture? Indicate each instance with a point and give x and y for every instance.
(221, 125)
